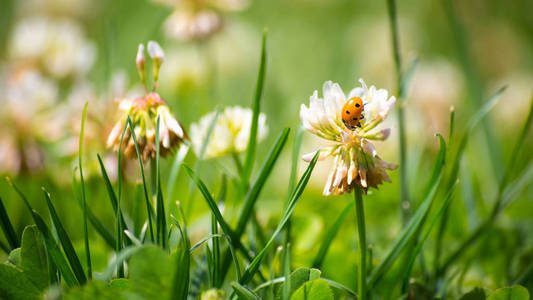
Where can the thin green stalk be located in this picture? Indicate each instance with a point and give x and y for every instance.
(360, 212)
(84, 200)
(149, 208)
(404, 189)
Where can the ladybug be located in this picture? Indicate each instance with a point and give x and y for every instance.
(352, 113)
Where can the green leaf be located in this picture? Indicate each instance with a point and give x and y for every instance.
(243, 292)
(15, 285)
(7, 227)
(297, 278)
(330, 235)
(475, 294)
(33, 258)
(28, 277)
(65, 241)
(317, 289)
(51, 246)
(515, 292)
(14, 257)
(150, 272)
(256, 108)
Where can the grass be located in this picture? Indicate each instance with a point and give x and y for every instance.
(267, 233)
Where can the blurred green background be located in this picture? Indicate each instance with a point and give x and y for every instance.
(466, 50)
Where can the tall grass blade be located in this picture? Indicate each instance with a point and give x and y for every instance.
(243, 292)
(183, 261)
(5, 248)
(7, 228)
(114, 203)
(330, 235)
(101, 229)
(254, 265)
(51, 246)
(253, 193)
(414, 224)
(424, 237)
(65, 241)
(161, 223)
(149, 208)
(83, 198)
(452, 177)
(256, 108)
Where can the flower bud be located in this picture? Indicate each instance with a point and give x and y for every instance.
(140, 60)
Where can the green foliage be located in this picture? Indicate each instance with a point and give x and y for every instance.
(26, 276)
(317, 289)
(510, 293)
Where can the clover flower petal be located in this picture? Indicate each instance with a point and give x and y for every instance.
(356, 161)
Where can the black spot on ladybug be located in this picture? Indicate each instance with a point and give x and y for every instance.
(355, 119)
(348, 112)
(357, 105)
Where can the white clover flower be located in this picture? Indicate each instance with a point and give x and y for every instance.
(60, 45)
(356, 159)
(186, 25)
(230, 134)
(198, 19)
(144, 112)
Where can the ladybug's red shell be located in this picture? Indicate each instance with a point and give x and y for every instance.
(352, 113)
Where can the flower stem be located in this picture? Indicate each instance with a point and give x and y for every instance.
(361, 229)
(404, 192)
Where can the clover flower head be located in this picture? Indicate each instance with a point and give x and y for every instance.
(231, 132)
(194, 20)
(356, 161)
(213, 294)
(144, 112)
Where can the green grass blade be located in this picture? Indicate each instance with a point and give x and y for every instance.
(256, 108)
(149, 208)
(330, 235)
(83, 198)
(217, 278)
(518, 145)
(174, 172)
(181, 275)
(120, 258)
(216, 212)
(420, 244)
(157, 187)
(66, 244)
(97, 224)
(116, 206)
(254, 265)
(253, 193)
(341, 287)
(414, 224)
(452, 177)
(243, 292)
(51, 246)
(7, 228)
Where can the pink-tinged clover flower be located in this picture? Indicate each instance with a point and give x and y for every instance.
(356, 161)
(144, 112)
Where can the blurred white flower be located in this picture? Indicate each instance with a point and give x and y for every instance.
(356, 159)
(59, 45)
(26, 97)
(188, 25)
(230, 134)
(435, 87)
(198, 19)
